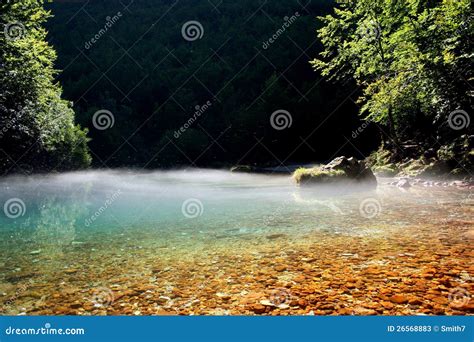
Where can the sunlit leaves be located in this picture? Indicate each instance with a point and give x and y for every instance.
(405, 54)
(41, 131)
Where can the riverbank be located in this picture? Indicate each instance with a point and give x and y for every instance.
(450, 162)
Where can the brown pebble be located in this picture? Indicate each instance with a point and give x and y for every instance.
(258, 309)
(280, 268)
(399, 299)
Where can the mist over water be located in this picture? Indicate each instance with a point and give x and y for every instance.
(211, 201)
(103, 228)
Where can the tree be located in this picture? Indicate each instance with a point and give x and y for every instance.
(37, 126)
(410, 58)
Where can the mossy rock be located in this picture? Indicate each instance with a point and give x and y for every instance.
(435, 169)
(389, 170)
(317, 175)
(341, 169)
(379, 158)
(457, 172)
(412, 168)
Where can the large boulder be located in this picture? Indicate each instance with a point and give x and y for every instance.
(341, 169)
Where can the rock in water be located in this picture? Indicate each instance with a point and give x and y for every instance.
(340, 169)
(245, 169)
(403, 183)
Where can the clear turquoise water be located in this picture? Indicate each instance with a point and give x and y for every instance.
(95, 220)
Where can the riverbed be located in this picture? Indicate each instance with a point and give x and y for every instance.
(211, 242)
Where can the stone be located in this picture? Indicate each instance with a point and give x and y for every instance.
(434, 169)
(280, 268)
(387, 305)
(258, 309)
(302, 303)
(276, 236)
(299, 279)
(266, 302)
(403, 183)
(339, 169)
(399, 299)
(283, 306)
(440, 300)
(389, 170)
(243, 168)
(344, 311)
(224, 296)
(75, 305)
(364, 311)
(70, 271)
(415, 301)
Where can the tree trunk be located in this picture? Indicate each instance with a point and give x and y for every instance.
(393, 130)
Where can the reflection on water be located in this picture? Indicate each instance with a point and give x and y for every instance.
(212, 242)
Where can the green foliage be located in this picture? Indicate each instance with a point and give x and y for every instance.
(37, 127)
(412, 58)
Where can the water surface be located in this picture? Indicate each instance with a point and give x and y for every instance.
(213, 242)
